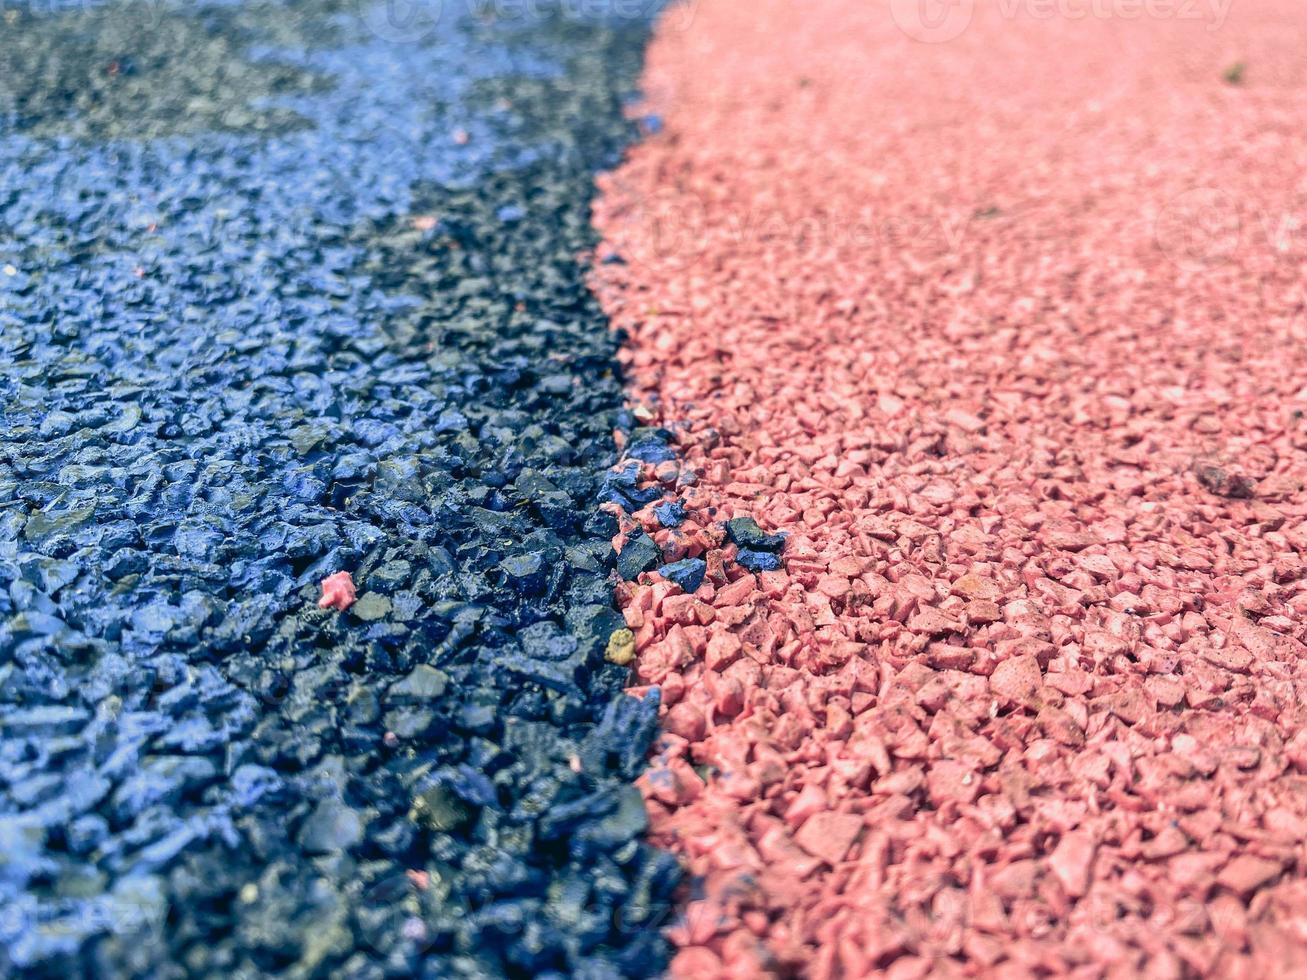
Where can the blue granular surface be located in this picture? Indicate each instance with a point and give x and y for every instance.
(284, 290)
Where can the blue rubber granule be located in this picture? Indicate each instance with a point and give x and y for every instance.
(688, 573)
(759, 561)
(287, 290)
(670, 514)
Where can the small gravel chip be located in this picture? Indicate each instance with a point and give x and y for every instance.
(758, 561)
(639, 555)
(526, 573)
(42, 525)
(828, 835)
(622, 486)
(337, 592)
(372, 606)
(46, 719)
(650, 446)
(1017, 679)
(332, 826)
(1247, 873)
(1072, 861)
(621, 647)
(1223, 483)
(622, 824)
(688, 573)
(670, 513)
(746, 533)
(423, 683)
(438, 808)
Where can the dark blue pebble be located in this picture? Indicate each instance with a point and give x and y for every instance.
(650, 446)
(670, 514)
(687, 573)
(621, 487)
(758, 561)
(746, 533)
(640, 554)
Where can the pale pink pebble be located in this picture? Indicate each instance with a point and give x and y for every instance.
(701, 920)
(696, 961)
(1072, 861)
(890, 405)
(1246, 873)
(337, 592)
(949, 781)
(829, 835)
(835, 586)
(965, 420)
(811, 799)
(1017, 679)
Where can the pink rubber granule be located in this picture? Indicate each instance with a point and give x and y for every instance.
(337, 592)
(1003, 317)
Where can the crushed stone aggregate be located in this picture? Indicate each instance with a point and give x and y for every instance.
(293, 315)
(1006, 331)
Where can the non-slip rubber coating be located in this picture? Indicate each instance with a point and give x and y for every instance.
(999, 311)
(289, 291)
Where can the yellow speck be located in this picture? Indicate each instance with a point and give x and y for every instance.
(249, 893)
(621, 647)
(11, 270)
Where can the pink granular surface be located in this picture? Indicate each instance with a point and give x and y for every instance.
(1008, 330)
